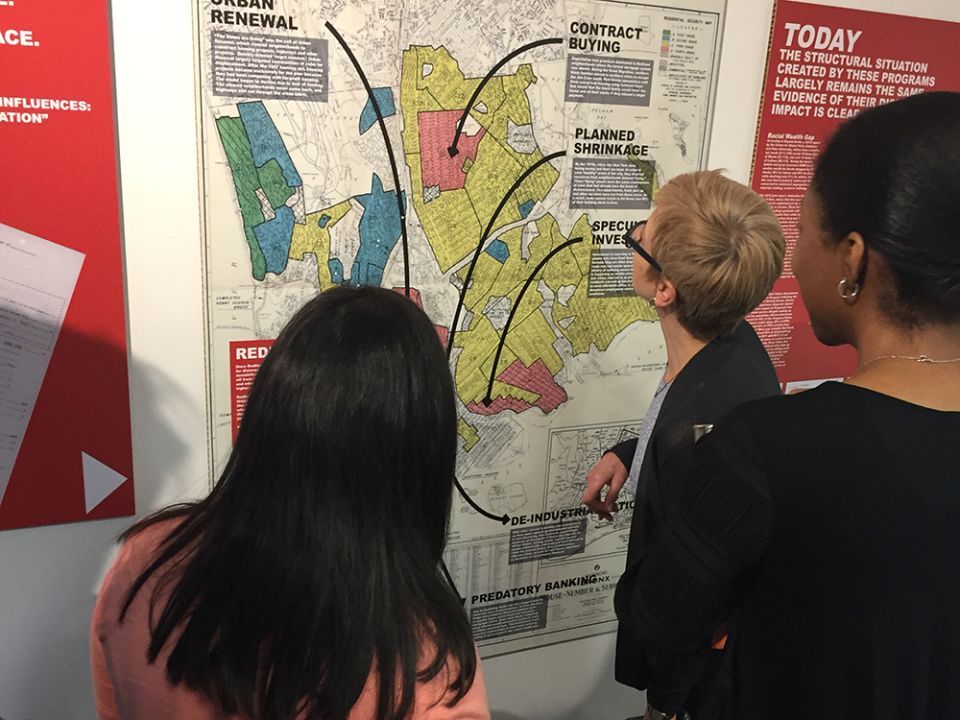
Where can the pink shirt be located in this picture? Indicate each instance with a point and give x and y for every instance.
(126, 687)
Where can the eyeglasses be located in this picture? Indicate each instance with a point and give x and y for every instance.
(637, 248)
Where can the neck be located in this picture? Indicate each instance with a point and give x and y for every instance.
(681, 345)
(938, 342)
(887, 364)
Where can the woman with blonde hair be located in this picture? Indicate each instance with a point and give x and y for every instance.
(708, 254)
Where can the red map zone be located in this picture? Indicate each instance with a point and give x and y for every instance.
(442, 332)
(536, 379)
(437, 128)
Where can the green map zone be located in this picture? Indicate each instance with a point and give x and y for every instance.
(276, 225)
(455, 200)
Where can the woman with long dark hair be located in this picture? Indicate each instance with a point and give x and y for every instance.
(306, 585)
(825, 524)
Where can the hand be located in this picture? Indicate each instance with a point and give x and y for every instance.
(609, 472)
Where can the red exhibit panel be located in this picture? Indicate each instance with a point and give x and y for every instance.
(825, 65)
(65, 447)
(246, 357)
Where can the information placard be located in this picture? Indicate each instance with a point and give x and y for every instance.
(825, 65)
(65, 448)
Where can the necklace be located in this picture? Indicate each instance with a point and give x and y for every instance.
(922, 359)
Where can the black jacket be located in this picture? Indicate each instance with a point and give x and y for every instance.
(728, 372)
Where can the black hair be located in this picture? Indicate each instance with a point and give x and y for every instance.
(314, 560)
(892, 173)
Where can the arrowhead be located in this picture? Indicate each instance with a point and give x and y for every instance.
(99, 481)
(487, 401)
(453, 151)
(505, 519)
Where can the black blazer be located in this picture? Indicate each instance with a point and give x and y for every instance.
(728, 372)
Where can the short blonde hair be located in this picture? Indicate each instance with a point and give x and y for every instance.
(721, 246)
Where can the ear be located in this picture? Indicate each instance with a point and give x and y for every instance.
(666, 295)
(853, 256)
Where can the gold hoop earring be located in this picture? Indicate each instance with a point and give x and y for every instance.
(848, 291)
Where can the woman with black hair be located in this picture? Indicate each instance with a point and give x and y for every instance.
(824, 525)
(306, 585)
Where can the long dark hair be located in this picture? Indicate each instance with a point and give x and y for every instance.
(315, 558)
(892, 173)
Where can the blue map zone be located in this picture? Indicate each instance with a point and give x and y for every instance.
(324, 219)
(527, 207)
(379, 232)
(498, 250)
(336, 270)
(265, 141)
(274, 237)
(388, 108)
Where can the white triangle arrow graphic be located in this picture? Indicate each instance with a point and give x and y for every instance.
(99, 481)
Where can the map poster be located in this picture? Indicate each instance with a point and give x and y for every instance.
(65, 445)
(825, 65)
(486, 159)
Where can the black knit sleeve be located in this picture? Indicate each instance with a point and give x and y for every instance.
(625, 451)
(677, 593)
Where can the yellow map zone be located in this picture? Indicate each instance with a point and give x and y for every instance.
(453, 222)
(314, 237)
(469, 434)
(494, 290)
(587, 321)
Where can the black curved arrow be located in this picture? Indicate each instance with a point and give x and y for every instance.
(506, 328)
(393, 161)
(502, 519)
(483, 238)
(453, 150)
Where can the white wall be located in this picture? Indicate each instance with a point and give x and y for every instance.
(48, 575)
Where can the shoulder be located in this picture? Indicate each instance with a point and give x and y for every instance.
(798, 404)
(434, 696)
(132, 558)
(778, 423)
(139, 549)
(433, 702)
(739, 356)
(726, 373)
(748, 357)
